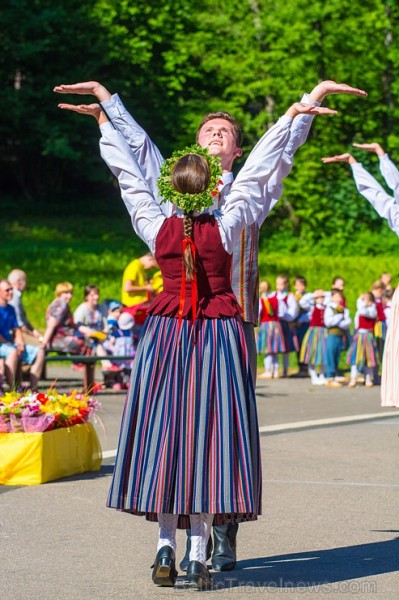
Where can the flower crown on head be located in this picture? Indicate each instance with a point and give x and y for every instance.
(190, 202)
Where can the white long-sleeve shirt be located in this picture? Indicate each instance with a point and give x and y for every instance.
(242, 205)
(384, 204)
(150, 159)
(364, 310)
(391, 174)
(292, 305)
(332, 318)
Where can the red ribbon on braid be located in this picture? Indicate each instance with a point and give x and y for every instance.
(194, 290)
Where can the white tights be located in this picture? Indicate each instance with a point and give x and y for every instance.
(200, 525)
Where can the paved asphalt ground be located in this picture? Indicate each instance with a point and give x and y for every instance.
(330, 511)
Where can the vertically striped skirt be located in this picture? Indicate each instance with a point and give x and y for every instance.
(363, 350)
(270, 338)
(390, 361)
(290, 338)
(313, 349)
(189, 440)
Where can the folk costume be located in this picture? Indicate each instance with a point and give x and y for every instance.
(270, 334)
(362, 353)
(189, 441)
(313, 349)
(337, 321)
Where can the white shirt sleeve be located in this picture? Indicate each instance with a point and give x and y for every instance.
(384, 204)
(307, 301)
(145, 213)
(145, 151)
(369, 311)
(245, 201)
(299, 132)
(292, 308)
(333, 319)
(391, 174)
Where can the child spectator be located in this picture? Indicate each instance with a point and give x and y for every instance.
(114, 312)
(270, 334)
(362, 352)
(313, 350)
(386, 279)
(301, 324)
(380, 327)
(290, 314)
(387, 304)
(337, 321)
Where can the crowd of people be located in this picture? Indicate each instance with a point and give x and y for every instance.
(107, 329)
(318, 327)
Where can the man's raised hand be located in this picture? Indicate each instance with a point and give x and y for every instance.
(92, 88)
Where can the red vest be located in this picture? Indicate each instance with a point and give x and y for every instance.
(269, 309)
(366, 323)
(317, 317)
(380, 311)
(213, 269)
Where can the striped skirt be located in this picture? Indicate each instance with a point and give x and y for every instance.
(189, 440)
(363, 350)
(290, 338)
(313, 349)
(270, 338)
(390, 361)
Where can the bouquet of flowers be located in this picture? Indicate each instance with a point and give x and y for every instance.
(39, 412)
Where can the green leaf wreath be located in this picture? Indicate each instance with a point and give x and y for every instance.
(190, 202)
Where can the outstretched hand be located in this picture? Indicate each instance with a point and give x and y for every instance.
(373, 147)
(348, 158)
(93, 88)
(328, 87)
(308, 109)
(94, 110)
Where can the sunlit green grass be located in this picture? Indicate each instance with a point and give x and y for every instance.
(97, 249)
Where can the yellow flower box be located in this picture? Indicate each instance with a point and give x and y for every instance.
(34, 458)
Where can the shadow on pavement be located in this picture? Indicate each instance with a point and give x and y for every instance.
(316, 568)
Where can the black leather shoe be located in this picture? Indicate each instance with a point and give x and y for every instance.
(199, 576)
(163, 570)
(184, 563)
(224, 556)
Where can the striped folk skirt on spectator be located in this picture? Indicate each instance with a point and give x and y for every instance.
(189, 440)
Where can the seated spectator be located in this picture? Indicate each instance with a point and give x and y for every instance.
(12, 346)
(61, 333)
(18, 280)
(136, 286)
(91, 323)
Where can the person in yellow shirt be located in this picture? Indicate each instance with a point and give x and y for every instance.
(136, 286)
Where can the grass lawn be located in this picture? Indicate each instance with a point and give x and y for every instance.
(96, 249)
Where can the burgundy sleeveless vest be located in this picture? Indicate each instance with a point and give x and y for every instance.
(213, 268)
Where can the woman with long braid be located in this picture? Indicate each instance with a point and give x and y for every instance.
(189, 453)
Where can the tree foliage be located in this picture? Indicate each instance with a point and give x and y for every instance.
(174, 61)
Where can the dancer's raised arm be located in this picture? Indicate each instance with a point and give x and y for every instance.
(369, 187)
(388, 170)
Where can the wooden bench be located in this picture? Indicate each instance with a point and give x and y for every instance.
(89, 363)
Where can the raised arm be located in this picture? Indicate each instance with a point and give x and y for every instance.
(145, 212)
(245, 202)
(298, 135)
(388, 170)
(140, 144)
(369, 187)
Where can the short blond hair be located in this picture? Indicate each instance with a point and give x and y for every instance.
(61, 288)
